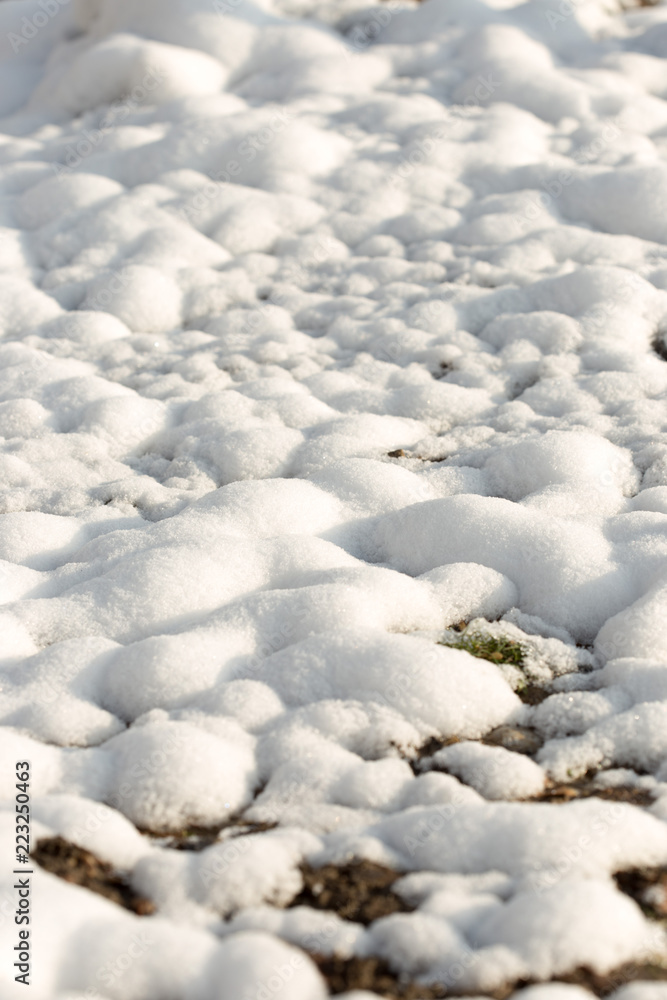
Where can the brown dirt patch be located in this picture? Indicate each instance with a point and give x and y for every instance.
(76, 865)
(533, 694)
(362, 892)
(629, 4)
(401, 453)
(194, 838)
(659, 343)
(198, 838)
(648, 888)
(599, 985)
(359, 891)
(343, 974)
(586, 788)
(519, 739)
(431, 746)
(375, 975)
(244, 827)
(602, 986)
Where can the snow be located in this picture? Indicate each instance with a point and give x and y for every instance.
(327, 327)
(496, 773)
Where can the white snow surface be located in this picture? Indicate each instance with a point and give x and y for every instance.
(327, 325)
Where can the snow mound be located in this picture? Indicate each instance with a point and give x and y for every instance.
(326, 329)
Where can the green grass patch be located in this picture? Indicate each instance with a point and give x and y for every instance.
(496, 648)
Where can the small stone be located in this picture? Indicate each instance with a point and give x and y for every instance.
(520, 739)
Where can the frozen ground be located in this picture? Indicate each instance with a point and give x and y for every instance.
(326, 327)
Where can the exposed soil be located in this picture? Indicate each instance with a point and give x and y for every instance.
(586, 788)
(359, 891)
(343, 974)
(246, 826)
(533, 694)
(400, 453)
(648, 888)
(362, 892)
(76, 865)
(599, 985)
(374, 975)
(194, 838)
(659, 345)
(427, 749)
(198, 838)
(519, 739)
(459, 626)
(602, 986)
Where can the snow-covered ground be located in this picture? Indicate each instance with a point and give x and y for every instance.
(328, 326)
